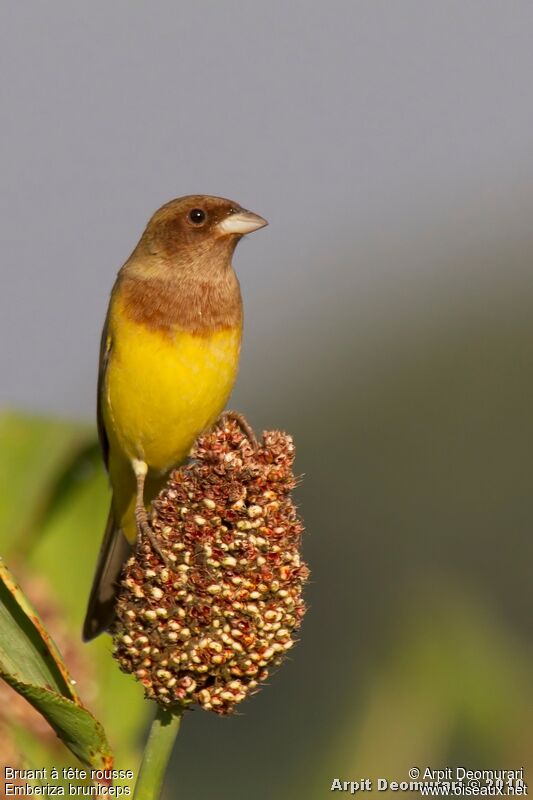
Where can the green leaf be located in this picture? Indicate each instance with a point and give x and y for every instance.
(27, 652)
(32, 665)
(75, 726)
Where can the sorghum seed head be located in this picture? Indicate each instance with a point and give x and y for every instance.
(202, 617)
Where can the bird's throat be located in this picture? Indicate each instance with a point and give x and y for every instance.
(196, 303)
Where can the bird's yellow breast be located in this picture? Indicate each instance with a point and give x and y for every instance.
(162, 389)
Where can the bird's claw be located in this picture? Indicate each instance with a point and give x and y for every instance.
(242, 422)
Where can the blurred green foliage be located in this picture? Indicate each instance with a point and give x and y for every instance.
(53, 502)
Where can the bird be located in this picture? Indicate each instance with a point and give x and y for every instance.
(169, 356)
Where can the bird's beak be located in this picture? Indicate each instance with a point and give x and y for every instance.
(242, 222)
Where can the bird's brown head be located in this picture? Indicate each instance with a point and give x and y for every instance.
(195, 226)
(180, 272)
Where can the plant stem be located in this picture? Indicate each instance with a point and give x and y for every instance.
(157, 752)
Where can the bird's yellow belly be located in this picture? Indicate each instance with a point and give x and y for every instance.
(162, 390)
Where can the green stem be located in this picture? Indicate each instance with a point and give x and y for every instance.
(157, 752)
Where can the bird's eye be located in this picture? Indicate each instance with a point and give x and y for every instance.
(197, 216)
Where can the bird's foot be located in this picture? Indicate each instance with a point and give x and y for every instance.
(140, 469)
(242, 422)
(145, 529)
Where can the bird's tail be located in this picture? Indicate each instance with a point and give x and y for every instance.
(114, 551)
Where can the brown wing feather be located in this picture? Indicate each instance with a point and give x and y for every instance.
(105, 352)
(115, 550)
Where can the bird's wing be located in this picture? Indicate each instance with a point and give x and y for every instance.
(105, 352)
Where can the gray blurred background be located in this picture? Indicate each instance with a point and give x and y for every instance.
(388, 326)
